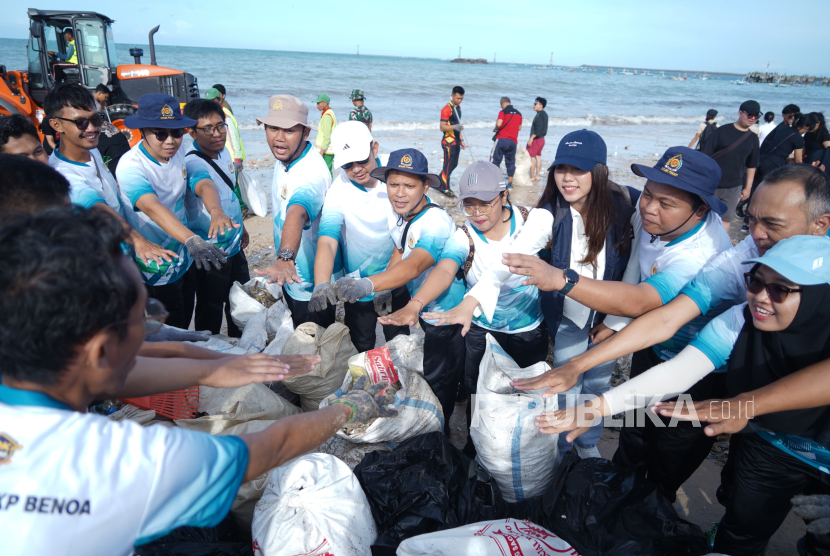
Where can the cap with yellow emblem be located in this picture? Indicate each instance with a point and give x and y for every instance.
(285, 111)
(411, 161)
(158, 111)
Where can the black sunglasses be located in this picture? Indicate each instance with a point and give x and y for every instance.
(83, 123)
(776, 292)
(359, 162)
(162, 135)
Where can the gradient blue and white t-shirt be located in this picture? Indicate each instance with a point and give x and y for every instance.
(429, 230)
(114, 486)
(720, 284)
(198, 217)
(356, 218)
(89, 183)
(140, 174)
(304, 182)
(669, 266)
(518, 308)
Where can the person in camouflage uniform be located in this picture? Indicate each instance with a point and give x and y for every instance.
(360, 112)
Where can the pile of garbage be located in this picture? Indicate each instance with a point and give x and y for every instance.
(397, 485)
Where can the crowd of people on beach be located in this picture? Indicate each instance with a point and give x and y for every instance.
(95, 260)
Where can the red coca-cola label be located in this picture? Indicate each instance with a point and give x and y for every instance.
(379, 366)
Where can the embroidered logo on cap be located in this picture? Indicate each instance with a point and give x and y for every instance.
(277, 106)
(573, 143)
(167, 113)
(818, 262)
(8, 446)
(673, 164)
(472, 179)
(406, 162)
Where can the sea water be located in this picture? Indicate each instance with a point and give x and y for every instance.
(638, 116)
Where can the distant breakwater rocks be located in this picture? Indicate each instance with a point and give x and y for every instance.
(469, 61)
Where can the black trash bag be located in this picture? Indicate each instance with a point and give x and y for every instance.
(223, 540)
(425, 485)
(600, 508)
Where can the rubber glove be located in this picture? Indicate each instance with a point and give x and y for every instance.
(173, 334)
(350, 290)
(383, 302)
(237, 165)
(321, 298)
(366, 401)
(205, 253)
(458, 127)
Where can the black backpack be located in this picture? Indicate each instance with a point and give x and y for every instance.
(706, 134)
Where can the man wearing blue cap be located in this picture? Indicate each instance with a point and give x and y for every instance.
(153, 180)
(419, 230)
(681, 232)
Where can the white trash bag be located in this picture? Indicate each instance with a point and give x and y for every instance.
(244, 301)
(279, 326)
(216, 343)
(521, 177)
(254, 337)
(407, 351)
(419, 411)
(521, 459)
(313, 505)
(253, 194)
(334, 346)
(488, 538)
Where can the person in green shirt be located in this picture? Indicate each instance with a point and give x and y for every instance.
(360, 113)
(328, 121)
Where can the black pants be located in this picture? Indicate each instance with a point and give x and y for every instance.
(177, 298)
(362, 320)
(451, 153)
(443, 364)
(526, 349)
(667, 456)
(211, 289)
(300, 313)
(765, 479)
(506, 148)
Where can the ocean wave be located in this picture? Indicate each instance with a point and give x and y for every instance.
(578, 121)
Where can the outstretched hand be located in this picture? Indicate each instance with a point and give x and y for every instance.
(575, 421)
(539, 273)
(556, 380)
(461, 314)
(723, 416)
(241, 370)
(407, 316)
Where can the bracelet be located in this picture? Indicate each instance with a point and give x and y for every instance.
(418, 301)
(350, 404)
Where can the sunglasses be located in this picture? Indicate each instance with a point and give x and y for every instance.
(83, 123)
(154, 316)
(162, 135)
(755, 116)
(209, 130)
(359, 162)
(776, 292)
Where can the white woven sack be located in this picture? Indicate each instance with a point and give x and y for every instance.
(313, 505)
(521, 459)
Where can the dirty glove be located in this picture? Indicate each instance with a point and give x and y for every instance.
(204, 253)
(173, 334)
(366, 403)
(350, 290)
(237, 165)
(321, 298)
(458, 127)
(383, 302)
(816, 510)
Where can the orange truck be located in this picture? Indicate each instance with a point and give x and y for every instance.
(22, 91)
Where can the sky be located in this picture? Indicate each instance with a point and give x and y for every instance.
(709, 35)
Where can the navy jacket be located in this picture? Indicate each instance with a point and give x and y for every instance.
(617, 251)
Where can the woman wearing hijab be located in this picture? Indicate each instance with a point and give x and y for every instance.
(783, 328)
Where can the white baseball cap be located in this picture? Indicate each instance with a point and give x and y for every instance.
(351, 142)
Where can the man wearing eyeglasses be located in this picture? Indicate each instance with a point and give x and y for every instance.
(70, 109)
(75, 313)
(354, 219)
(737, 151)
(153, 181)
(209, 163)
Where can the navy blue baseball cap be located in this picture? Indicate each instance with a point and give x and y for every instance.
(689, 170)
(411, 161)
(581, 149)
(158, 111)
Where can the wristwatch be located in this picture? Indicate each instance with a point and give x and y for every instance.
(572, 278)
(286, 255)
